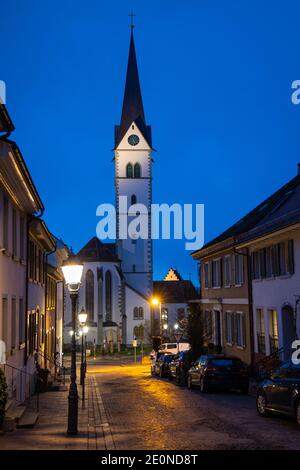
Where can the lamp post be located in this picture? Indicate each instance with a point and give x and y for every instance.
(82, 317)
(157, 303)
(85, 330)
(72, 271)
(177, 335)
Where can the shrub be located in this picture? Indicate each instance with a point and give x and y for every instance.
(3, 396)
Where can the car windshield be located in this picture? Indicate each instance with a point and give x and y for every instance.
(224, 362)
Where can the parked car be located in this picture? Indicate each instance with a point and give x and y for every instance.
(280, 392)
(174, 348)
(179, 367)
(161, 365)
(217, 371)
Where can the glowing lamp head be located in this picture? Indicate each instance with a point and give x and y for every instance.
(155, 301)
(82, 316)
(176, 326)
(72, 271)
(85, 330)
(165, 327)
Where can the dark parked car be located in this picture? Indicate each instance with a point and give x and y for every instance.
(280, 392)
(179, 367)
(161, 365)
(216, 371)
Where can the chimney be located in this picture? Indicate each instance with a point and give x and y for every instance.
(299, 168)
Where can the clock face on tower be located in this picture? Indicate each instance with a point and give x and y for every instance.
(133, 139)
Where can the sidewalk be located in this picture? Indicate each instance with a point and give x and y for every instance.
(49, 433)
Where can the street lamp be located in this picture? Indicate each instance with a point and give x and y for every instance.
(82, 317)
(85, 330)
(177, 334)
(157, 303)
(72, 271)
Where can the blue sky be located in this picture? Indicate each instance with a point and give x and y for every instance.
(216, 82)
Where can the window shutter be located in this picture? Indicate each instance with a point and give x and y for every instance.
(244, 329)
(275, 257)
(234, 327)
(262, 254)
(221, 272)
(291, 266)
(209, 274)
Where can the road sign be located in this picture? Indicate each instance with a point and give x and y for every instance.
(134, 343)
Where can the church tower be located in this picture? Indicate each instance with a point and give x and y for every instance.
(133, 160)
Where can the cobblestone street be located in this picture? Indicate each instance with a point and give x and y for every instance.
(151, 413)
(128, 409)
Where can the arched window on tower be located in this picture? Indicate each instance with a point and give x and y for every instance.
(108, 296)
(133, 199)
(89, 294)
(137, 170)
(129, 170)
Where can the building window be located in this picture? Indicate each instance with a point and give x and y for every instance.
(255, 265)
(137, 170)
(240, 329)
(260, 322)
(89, 294)
(273, 325)
(5, 222)
(139, 332)
(108, 295)
(206, 275)
(129, 172)
(229, 327)
(14, 232)
(239, 269)
(208, 324)
(216, 273)
(138, 313)
(22, 233)
(269, 262)
(133, 199)
(227, 271)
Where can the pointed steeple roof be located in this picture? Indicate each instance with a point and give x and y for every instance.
(133, 109)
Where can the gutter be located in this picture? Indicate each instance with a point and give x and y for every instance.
(250, 303)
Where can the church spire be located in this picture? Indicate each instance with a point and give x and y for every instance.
(133, 109)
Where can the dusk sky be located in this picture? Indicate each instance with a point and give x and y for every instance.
(216, 83)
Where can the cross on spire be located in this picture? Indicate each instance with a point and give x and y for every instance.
(132, 15)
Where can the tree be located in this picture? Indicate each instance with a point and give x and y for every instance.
(195, 329)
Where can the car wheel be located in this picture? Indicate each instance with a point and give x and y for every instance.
(298, 412)
(203, 385)
(189, 382)
(261, 404)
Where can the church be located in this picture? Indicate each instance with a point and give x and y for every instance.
(117, 281)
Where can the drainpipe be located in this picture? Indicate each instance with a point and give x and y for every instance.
(250, 304)
(29, 221)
